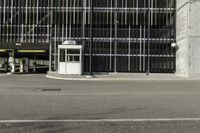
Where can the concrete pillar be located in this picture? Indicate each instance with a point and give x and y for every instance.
(34, 64)
(188, 38)
(11, 61)
(1, 62)
(21, 65)
(26, 66)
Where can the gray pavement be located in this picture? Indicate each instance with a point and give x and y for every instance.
(103, 127)
(34, 97)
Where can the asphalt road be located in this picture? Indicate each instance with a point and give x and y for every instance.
(33, 103)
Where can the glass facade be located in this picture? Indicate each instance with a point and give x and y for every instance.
(117, 35)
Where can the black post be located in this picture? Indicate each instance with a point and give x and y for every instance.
(6, 64)
(148, 53)
(91, 36)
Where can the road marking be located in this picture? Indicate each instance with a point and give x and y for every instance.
(116, 85)
(100, 120)
(92, 94)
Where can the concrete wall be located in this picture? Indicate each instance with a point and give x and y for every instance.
(194, 38)
(188, 38)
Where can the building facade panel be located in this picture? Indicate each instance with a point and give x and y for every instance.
(117, 35)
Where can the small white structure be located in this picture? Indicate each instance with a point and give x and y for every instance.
(173, 44)
(70, 58)
(11, 61)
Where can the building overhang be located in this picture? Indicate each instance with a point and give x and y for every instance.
(24, 46)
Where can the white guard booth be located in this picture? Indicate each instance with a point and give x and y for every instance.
(70, 58)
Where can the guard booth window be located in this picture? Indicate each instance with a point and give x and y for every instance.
(62, 55)
(73, 55)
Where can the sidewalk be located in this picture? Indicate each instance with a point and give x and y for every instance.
(3, 74)
(121, 77)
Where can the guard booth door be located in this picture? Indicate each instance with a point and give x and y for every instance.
(70, 59)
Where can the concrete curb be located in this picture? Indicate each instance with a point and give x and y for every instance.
(60, 78)
(123, 78)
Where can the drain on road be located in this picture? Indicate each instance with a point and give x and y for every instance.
(51, 89)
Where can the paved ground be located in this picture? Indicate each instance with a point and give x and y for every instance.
(122, 77)
(33, 103)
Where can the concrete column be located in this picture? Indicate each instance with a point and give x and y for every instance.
(1, 62)
(34, 66)
(34, 63)
(11, 61)
(21, 65)
(188, 38)
(26, 67)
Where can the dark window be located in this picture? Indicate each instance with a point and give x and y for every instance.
(62, 55)
(73, 51)
(73, 58)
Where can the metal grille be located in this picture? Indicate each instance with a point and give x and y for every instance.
(117, 35)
